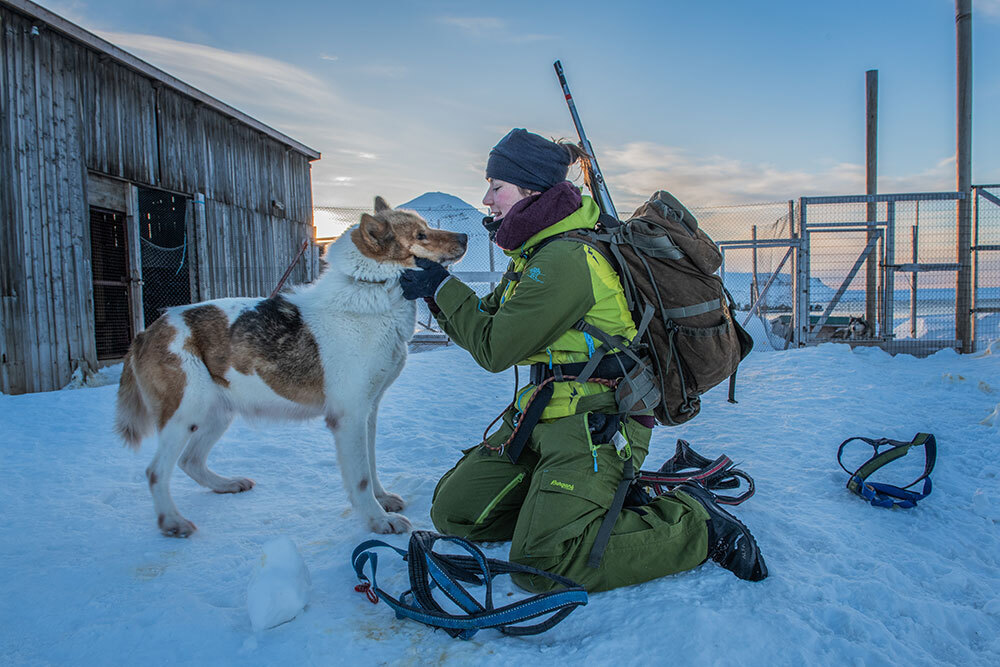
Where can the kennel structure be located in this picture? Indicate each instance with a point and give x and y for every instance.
(123, 191)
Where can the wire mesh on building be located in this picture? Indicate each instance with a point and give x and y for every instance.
(109, 262)
(163, 234)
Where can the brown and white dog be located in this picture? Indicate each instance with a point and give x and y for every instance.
(330, 348)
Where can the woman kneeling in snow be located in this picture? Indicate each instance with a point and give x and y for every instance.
(552, 499)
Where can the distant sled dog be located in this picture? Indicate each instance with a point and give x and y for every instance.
(330, 348)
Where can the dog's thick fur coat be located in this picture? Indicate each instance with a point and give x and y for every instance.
(330, 348)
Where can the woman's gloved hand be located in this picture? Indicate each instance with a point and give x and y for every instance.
(424, 282)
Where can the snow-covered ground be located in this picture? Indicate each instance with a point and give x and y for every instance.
(86, 578)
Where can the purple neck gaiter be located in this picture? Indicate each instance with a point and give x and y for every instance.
(533, 214)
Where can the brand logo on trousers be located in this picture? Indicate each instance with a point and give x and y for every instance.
(562, 485)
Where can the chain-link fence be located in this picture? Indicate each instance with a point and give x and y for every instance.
(757, 275)
(986, 264)
(890, 282)
(163, 241)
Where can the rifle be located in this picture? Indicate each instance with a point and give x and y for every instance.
(592, 171)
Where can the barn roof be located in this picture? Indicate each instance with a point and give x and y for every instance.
(91, 40)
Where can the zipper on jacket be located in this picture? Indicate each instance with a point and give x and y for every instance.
(500, 496)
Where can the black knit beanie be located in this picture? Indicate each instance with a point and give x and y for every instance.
(528, 160)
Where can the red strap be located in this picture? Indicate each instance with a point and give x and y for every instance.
(366, 588)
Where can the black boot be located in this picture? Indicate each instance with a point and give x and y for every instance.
(730, 543)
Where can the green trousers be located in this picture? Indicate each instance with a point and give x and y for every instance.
(550, 504)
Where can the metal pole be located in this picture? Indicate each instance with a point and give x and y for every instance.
(796, 257)
(963, 175)
(722, 267)
(871, 184)
(975, 261)
(489, 242)
(889, 273)
(913, 279)
(802, 295)
(754, 293)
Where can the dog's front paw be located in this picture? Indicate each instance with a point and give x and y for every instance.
(390, 502)
(390, 523)
(175, 526)
(234, 485)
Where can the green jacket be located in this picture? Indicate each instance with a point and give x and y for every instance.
(531, 320)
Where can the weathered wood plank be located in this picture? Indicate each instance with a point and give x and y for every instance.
(53, 208)
(133, 237)
(17, 369)
(204, 282)
(38, 369)
(83, 352)
(105, 192)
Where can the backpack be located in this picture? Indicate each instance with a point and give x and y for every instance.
(687, 340)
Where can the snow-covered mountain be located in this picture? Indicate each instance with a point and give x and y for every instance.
(444, 211)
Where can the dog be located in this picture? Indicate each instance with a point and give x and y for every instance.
(856, 328)
(330, 348)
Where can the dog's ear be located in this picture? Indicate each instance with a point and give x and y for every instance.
(377, 233)
(381, 205)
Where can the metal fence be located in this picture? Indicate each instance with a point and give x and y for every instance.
(877, 270)
(986, 264)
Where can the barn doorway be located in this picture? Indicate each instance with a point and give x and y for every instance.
(164, 249)
(109, 260)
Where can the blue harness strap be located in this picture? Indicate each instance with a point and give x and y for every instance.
(429, 570)
(887, 495)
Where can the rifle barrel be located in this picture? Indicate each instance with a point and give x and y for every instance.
(599, 187)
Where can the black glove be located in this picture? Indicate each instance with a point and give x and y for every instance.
(422, 283)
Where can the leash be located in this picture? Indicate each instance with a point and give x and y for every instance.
(288, 271)
(887, 495)
(429, 570)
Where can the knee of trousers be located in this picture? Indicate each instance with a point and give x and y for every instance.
(448, 516)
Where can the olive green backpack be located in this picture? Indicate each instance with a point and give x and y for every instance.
(688, 340)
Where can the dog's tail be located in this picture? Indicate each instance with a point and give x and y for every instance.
(133, 420)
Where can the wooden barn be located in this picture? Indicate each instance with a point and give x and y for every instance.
(123, 191)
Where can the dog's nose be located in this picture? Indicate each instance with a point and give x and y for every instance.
(463, 239)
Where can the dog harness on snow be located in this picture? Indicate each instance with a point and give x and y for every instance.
(428, 570)
(687, 465)
(887, 495)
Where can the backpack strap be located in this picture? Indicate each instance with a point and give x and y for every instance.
(604, 532)
(429, 570)
(887, 495)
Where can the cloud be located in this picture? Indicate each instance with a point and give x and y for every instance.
(990, 8)
(474, 25)
(384, 70)
(477, 26)
(640, 168)
(377, 149)
(236, 78)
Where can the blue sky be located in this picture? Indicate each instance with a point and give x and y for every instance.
(719, 102)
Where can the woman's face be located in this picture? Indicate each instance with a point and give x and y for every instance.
(501, 196)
